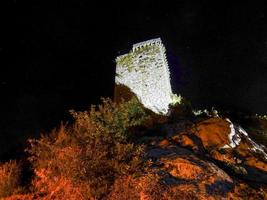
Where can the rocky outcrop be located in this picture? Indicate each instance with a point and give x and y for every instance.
(211, 159)
(180, 168)
(229, 145)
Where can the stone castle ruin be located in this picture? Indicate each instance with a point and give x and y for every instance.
(145, 72)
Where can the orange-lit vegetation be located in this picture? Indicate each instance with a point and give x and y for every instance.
(10, 174)
(82, 160)
(110, 153)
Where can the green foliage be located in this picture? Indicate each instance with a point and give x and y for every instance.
(111, 119)
(92, 152)
(257, 127)
(181, 110)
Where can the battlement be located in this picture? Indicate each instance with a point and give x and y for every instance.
(140, 45)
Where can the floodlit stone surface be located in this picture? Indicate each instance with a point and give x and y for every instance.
(242, 155)
(144, 70)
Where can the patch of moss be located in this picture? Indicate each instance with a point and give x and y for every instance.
(126, 61)
(146, 51)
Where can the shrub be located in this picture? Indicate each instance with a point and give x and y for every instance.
(82, 161)
(257, 127)
(10, 174)
(22, 197)
(181, 110)
(111, 119)
(148, 186)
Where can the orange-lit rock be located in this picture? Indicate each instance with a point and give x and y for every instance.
(213, 133)
(184, 140)
(176, 173)
(211, 138)
(164, 143)
(182, 168)
(254, 162)
(226, 157)
(194, 163)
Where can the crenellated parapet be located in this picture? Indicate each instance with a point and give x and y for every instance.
(151, 42)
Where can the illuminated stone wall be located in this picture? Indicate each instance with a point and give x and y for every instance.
(144, 70)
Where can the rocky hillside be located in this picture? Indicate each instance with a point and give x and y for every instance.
(210, 159)
(118, 152)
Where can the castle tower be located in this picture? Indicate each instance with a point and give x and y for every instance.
(145, 72)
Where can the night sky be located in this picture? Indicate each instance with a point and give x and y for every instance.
(60, 55)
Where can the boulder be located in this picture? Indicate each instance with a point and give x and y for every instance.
(228, 144)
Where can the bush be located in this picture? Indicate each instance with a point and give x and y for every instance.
(182, 110)
(257, 128)
(10, 174)
(83, 160)
(111, 119)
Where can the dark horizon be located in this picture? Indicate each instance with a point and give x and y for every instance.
(61, 55)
